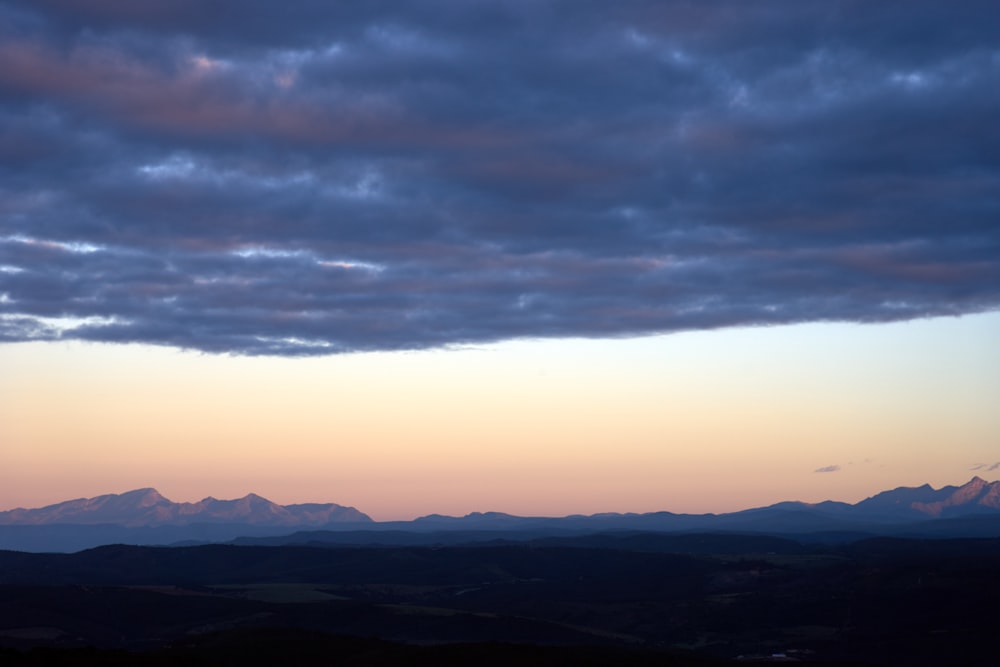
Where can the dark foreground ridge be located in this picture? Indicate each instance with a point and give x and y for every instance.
(633, 598)
(271, 646)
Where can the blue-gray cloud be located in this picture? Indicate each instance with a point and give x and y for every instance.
(271, 178)
(833, 468)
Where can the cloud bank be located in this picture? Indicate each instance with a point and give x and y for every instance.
(256, 177)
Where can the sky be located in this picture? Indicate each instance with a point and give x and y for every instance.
(537, 257)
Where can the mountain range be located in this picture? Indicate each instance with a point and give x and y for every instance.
(146, 507)
(144, 516)
(903, 505)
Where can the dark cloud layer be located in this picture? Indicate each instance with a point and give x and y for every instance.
(312, 177)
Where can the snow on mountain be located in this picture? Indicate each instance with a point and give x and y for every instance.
(976, 496)
(146, 507)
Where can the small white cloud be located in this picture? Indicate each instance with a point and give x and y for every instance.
(253, 252)
(349, 264)
(78, 247)
(175, 166)
(57, 326)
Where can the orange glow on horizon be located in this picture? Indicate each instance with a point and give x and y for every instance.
(701, 422)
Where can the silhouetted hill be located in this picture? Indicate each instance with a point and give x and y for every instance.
(131, 565)
(686, 543)
(881, 601)
(284, 646)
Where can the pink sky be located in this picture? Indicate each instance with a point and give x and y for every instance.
(698, 422)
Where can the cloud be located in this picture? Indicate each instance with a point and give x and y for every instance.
(331, 177)
(989, 467)
(833, 468)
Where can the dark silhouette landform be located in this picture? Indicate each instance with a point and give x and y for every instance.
(145, 517)
(881, 582)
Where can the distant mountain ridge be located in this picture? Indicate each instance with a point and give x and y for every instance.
(147, 507)
(144, 516)
(977, 496)
(903, 503)
(908, 503)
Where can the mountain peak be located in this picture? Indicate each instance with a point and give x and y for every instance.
(489, 515)
(145, 496)
(147, 507)
(974, 497)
